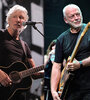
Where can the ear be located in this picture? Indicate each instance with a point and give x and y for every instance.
(8, 21)
(65, 20)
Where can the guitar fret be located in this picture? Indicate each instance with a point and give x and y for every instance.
(30, 71)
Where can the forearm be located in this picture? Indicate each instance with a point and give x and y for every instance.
(55, 76)
(86, 62)
(31, 61)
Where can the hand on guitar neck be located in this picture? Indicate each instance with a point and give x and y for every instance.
(72, 66)
(38, 75)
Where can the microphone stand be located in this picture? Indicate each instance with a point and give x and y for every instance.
(37, 30)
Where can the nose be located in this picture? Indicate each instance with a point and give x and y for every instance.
(75, 16)
(18, 19)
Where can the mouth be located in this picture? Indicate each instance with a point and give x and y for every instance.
(77, 22)
(18, 25)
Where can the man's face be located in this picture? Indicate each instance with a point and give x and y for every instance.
(73, 17)
(16, 20)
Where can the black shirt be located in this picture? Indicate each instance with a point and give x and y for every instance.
(10, 49)
(64, 47)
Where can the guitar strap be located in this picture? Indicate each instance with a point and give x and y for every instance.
(25, 52)
(83, 26)
(23, 46)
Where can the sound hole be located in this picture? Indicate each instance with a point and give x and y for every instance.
(15, 77)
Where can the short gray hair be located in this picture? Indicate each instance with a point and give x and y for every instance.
(15, 8)
(70, 5)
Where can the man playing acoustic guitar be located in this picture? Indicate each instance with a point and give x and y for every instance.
(79, 86)
(11, 50)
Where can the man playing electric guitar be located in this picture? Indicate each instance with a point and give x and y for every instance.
(11, 49)
(79, 87)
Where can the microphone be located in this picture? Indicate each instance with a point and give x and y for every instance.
(30, 23)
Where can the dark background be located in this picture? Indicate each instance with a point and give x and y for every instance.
(54, 24)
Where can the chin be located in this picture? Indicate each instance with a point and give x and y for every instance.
(77, 25)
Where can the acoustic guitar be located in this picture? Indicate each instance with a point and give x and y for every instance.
(20, 76)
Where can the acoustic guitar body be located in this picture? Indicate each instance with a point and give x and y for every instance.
(19, 84)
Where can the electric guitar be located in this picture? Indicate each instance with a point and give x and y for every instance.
(20, 76)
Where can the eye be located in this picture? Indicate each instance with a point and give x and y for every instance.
(21, 17)
(14, 16)
(78, 14)
(71, 16)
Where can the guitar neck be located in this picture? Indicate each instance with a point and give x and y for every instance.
(30, 71)
(79, 41)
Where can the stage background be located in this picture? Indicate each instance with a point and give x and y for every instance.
(33, 38)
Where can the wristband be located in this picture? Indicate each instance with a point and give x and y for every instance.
(81, 65)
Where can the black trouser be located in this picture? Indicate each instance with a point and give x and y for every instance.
(47, 91)
(47, 95)
(78, 95)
